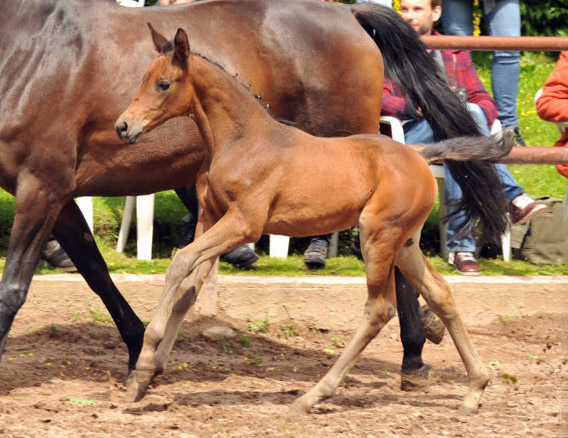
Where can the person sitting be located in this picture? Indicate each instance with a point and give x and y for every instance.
(462, 78)
(552, 105)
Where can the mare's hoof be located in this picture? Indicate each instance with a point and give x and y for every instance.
(433, 325)
(130, 378)
(416, 380)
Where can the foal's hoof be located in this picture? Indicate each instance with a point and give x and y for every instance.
(300, 407)
(417, 380)
(433, 325)
(136, 390)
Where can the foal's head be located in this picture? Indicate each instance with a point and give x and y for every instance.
(165, 92)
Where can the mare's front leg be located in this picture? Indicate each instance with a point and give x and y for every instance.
(36, 211)
(74, 235)
(184, 279)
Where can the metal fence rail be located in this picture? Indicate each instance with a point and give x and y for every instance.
(485, 43)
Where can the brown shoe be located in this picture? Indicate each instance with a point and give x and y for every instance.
(523, 208)
(464, 262)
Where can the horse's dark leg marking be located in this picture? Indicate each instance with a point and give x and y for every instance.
(412, 333)
(72, 231)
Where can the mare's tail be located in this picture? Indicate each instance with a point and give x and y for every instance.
(411, 68)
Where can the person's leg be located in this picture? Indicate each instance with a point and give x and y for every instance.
(317, 252)
(510, 186)
(418, 132)
(457, 17)
(505, 20)
(522, 208)
(461, 249)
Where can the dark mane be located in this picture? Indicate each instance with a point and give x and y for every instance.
(235, 76)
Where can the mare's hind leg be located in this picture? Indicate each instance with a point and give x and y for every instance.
(184, 279)
(72, 231)
(380, 250)
(415, 374)
(431, 285)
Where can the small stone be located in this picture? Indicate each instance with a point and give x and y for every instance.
(218, 332)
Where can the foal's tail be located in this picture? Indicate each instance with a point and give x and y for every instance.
(409, 65)
(483, 150)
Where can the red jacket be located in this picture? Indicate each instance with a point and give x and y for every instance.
(552, 105)
(460, 72)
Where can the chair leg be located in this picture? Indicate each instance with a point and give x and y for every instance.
(85, 204)
(144, 226)
(506, 243)
(278, 246)
(125, 224)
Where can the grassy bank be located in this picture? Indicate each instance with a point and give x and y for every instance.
(542, 180)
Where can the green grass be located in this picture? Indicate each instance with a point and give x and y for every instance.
(541, 180)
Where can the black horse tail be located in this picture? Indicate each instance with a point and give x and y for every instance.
(416, 73)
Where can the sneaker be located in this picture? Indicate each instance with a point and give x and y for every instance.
(524, 208)
(56, 256)
(464, 262)
(517, 137)
(241, 257)
(315, 255)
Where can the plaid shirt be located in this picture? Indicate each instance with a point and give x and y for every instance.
(460, 73)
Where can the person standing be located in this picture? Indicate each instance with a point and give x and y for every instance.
(552, 105)
(503, 18)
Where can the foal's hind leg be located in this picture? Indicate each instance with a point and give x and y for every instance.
(415, 375)
(437, 293)
(379, 250)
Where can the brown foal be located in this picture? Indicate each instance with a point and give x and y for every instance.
(258, 178)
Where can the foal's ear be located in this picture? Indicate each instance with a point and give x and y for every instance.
(181, 53)
(158, 38)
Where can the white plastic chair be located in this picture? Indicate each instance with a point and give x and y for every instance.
(397, 133)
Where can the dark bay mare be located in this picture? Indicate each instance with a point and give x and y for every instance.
(381, 185)
(69, 67)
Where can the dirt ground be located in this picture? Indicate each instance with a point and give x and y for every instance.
(63, 369)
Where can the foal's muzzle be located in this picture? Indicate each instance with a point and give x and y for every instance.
(128, 131)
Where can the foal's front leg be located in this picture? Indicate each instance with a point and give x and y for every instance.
(184, 278)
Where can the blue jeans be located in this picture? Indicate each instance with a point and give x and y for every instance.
(503, 20)
(419, 132)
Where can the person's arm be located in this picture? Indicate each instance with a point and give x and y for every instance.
(395, 104)
(552, 105)
(467, 78)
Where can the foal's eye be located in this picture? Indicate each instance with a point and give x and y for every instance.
(164, 85)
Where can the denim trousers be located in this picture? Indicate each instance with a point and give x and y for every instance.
(419, 132)
(503, 20)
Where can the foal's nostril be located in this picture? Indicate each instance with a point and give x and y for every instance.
(121, 129)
